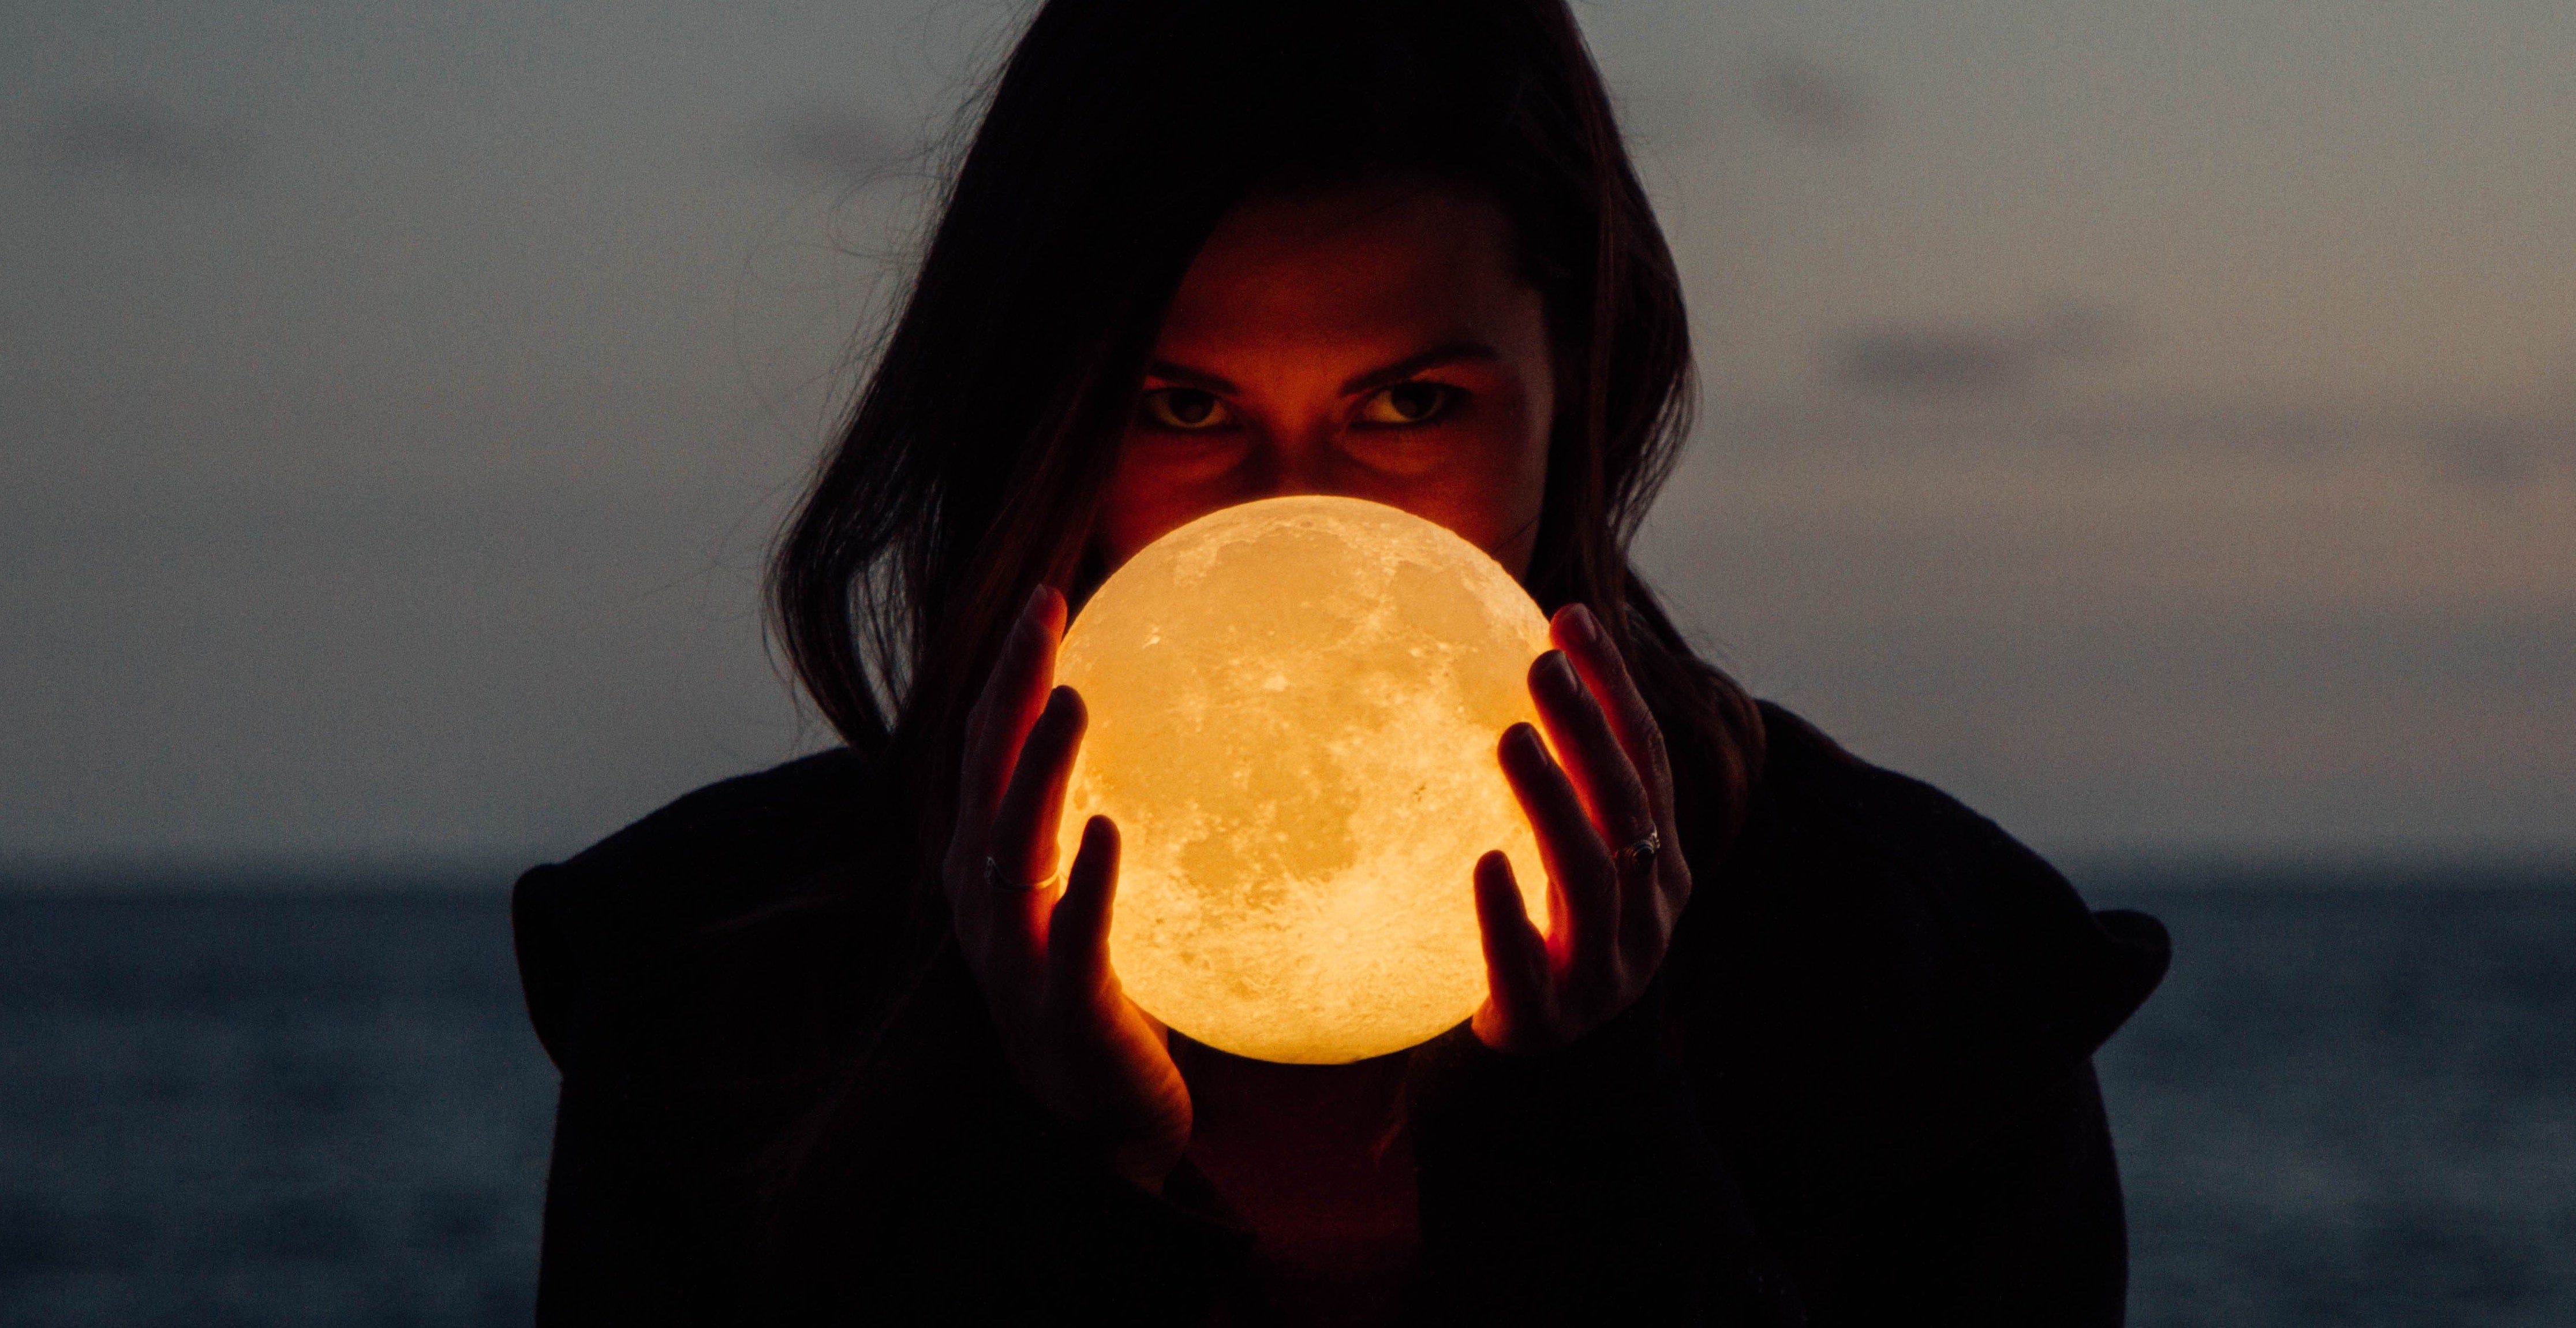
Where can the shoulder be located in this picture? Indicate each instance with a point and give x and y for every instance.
(1832, 839)
(1879, 977)
(595, 921)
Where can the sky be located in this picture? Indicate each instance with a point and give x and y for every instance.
(2154, 424)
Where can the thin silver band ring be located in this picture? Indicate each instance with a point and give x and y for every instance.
(993, 877)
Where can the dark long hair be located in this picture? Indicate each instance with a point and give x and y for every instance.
(1116, 136)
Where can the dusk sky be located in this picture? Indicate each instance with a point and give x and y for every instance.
(2154, 424)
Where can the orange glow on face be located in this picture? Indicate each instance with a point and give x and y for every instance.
(1372, 341)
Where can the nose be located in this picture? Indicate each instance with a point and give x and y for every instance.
(1294, 466)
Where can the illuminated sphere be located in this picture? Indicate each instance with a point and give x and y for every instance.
(1294, 710)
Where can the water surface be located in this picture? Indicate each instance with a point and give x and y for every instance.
(2348, 1105)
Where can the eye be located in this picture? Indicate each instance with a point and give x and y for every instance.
(1184, 408)
(1408, 403)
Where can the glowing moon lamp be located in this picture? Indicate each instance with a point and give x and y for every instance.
(1294, 709)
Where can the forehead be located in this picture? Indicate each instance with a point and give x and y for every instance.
(1381, 261)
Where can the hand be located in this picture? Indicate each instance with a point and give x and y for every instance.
(1610, 914)
(1075, 1042)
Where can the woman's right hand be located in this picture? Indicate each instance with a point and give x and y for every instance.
(1094, 1060)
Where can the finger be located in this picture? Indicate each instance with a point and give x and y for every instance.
(1014, 919)
(1078, 936)
(1582, 899)
(1516, 965)
(1014, 693)
(1022, 674)
(1624, 708)
(1593, 757)
(1647, 916)
(1024, 826)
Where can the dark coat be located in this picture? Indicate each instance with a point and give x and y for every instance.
(1861, 1092)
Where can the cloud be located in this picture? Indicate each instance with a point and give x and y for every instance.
(2492, 454)
(2494, 449)
(1806, 100)
(138, 138)
(837, 143)
(1919, 361)
(1959, 358)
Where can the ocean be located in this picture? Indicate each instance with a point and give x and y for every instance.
(2352, 1102)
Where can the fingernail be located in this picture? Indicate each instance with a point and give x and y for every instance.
(1562, 672)
(1033, 614)
(1587, 628)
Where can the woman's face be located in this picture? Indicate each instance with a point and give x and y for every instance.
(1371, 341)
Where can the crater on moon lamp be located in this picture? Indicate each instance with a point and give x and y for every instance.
(1294, 710)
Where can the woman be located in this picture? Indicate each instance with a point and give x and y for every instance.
(1806, 1042)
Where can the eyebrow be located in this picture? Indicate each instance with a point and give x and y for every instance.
(1189, 377)
(1447, 352)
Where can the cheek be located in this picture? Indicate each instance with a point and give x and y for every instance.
(1507, 472)
(1517, 465)
(1487, 483)
(1534, 443)
(1150, 495)
(1517, 482)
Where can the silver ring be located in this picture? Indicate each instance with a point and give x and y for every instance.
(1640, 852)
(993, 877)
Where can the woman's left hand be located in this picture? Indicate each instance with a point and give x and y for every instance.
(1604, 820)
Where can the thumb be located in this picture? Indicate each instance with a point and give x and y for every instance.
(1516, 963)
